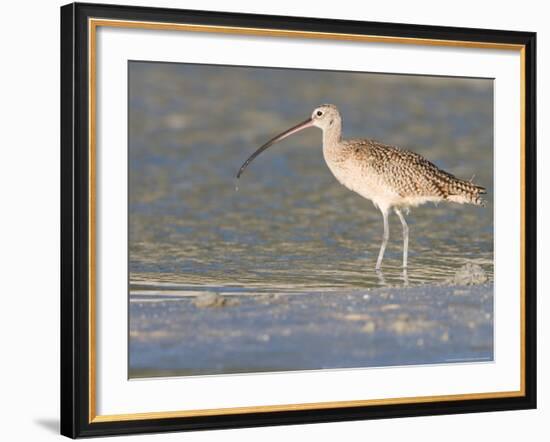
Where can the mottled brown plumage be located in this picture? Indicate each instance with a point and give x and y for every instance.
(391, 177)
(408, 173)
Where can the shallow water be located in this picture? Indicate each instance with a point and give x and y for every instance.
(291, 227)
(292, 248)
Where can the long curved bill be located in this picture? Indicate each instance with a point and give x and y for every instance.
(303, 125)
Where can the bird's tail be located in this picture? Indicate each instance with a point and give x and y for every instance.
(466, 192)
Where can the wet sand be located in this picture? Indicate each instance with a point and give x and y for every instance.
(207, 333)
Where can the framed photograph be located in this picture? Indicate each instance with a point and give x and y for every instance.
(279, 220)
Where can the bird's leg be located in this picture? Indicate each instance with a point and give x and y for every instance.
(405, 277)
(385, 239)
(405, 236)
(381, 279)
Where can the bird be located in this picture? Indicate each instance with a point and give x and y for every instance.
(392, 178)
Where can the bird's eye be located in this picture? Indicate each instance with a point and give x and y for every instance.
(319, 113)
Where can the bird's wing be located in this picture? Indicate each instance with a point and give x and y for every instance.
(411, 175)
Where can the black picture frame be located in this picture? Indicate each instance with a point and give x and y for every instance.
(75, 220)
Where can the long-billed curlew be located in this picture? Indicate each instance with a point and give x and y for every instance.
(392, 178)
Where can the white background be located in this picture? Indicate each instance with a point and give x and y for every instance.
(29, 237)
(118, 396)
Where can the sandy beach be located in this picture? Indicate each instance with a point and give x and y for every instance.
(207, 333)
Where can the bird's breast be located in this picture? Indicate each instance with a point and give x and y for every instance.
(356, 175)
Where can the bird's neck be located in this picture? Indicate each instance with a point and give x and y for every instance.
(332, 135)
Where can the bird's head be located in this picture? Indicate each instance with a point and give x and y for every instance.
(326, 116)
